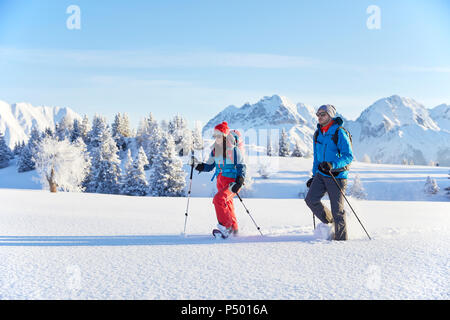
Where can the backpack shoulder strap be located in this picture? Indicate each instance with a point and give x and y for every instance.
(336, 135)
(316, 134)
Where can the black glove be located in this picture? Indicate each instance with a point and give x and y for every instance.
(325, 167)
(238, 184)
(200, 167)
(309, 182)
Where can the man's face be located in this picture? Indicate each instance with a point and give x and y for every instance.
(323, 118)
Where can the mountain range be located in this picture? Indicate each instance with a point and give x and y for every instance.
(17, 120)
(391, 130)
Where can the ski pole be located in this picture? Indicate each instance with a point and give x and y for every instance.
(259, 229)
(314, 219)
(189, 192)
(342, 192)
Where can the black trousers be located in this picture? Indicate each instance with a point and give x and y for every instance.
(319, 186)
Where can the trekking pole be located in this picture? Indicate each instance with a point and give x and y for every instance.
(342, 192)
(314, 221)
(314, 218)
(189, 192)
(259, 229)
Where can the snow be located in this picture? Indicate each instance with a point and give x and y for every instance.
(96, 246)
(17, 120)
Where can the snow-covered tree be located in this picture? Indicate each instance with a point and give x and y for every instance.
(167, 177)
(99, 127)
(270, 151)
(121, 126)
(357, 190)
(84, 129)
(105, 173)
(26, 161)
(121, 130)
(18, 147)
(197, 138)
(366, 159)
(431, 186)
(61, 165)
(297, 152)
(284, 150)
(134, 179)
(5, 152)
(76, 131)
(149, 137)
(181, 134)
(64, 127)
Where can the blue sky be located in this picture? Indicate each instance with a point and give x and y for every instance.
(197, 57)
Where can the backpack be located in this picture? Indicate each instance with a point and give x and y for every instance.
(335, 137)
(239, 142)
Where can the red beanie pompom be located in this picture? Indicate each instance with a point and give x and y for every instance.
(223, 127)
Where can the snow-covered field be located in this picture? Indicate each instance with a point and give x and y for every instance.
(92, 246)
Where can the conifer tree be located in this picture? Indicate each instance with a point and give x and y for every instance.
(26, 160)
(5, 152)
(284, 144)
(105, 173)
(167, 177)
(134, 180)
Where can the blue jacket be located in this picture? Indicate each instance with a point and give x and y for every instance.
(340, 156)
(231, 166)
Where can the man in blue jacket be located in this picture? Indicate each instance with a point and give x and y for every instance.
(332, 154)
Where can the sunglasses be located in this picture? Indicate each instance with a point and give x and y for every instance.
(321, 114)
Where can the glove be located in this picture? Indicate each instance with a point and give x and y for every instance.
(325, 167)
(200, 167)
(237, 185)
(309, 182)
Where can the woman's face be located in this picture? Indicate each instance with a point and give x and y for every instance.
(218, 138)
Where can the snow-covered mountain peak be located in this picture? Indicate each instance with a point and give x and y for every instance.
(17, 119)
(392, 113)
(441, 115)
(270, 112)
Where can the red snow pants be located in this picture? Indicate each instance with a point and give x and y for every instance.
(223, 202)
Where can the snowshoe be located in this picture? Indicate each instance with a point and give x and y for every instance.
(221, 232)
(218, 234)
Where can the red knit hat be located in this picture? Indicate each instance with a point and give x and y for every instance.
(223, 127)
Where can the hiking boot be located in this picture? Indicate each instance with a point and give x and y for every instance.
(225, 231)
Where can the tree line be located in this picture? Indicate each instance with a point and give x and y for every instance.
(97, 157)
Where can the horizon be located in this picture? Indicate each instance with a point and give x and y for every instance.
(197, 58)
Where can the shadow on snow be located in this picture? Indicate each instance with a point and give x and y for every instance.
(134, 240)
